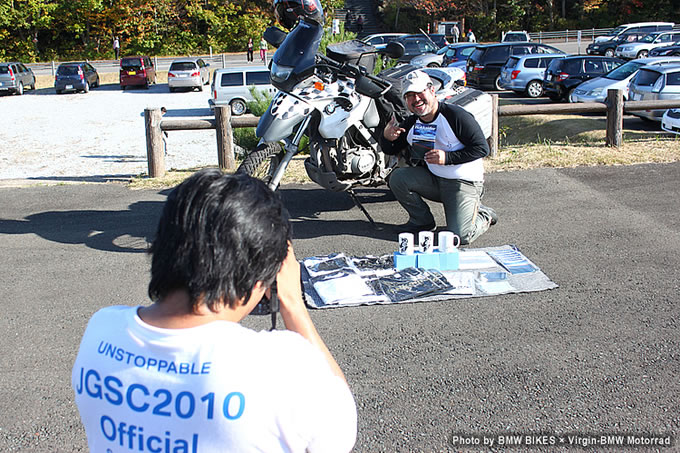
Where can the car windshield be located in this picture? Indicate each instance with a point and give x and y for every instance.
(512, 62)
(67, 70)
(616, 31)
(624, 70)
(649, 38)
(183, 66)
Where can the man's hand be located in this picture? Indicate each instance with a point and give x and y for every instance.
(288, 285)
(435, 156)
(392, 130)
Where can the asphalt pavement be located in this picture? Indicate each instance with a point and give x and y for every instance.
(596, 356)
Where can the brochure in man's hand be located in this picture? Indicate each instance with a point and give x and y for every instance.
(423, 140)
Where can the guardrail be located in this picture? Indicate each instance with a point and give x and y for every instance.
(224, 123)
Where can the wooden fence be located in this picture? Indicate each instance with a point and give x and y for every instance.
(224, 123)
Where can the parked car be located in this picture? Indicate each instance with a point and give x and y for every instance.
(653, 84)
(457, 54)
(231, 86)
(515, 36)
(670, 122)
(77, 76)
(641, 48)
(446, 81)
(638, 27)
(524, 74)
(485, 63)
(595, 90)
(608, 48)
(565, 74)
(438, 39)
(380, 40)
(415, 46)
(188, 73)
(136, 71)
(666, 51)
(15, 77)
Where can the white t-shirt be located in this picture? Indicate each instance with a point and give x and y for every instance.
(219, 387)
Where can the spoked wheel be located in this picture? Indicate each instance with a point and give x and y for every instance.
(261, 162)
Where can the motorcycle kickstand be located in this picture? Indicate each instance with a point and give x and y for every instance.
(361, 206)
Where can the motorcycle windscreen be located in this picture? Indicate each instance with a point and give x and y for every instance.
(294, 60)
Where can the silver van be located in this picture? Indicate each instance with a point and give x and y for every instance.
(231, 86)
(524, 73)
(654, 83)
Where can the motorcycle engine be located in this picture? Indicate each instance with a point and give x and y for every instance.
(360, 161)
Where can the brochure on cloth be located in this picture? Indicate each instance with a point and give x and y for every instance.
(338, 280)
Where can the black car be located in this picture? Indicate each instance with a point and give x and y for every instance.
(666, 51)
(565, 74)
(607, 48)
(414, 46)
(484, 65)
(78, 76)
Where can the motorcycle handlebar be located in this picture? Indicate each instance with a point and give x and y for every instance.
(358, 73)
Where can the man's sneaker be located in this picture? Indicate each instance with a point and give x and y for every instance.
(490, 213)
(415, 229)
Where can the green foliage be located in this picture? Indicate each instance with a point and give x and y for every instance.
(261, 102)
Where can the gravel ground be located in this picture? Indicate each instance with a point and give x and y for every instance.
(99, 135)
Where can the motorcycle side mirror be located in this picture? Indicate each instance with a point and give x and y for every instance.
(394, 50)
(274, 36)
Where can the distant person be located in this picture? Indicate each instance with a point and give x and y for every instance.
(116, 47)
(471, 36)
(263, 51)
(183, 374)
(360, 23)
(250, 50)
(348, 19)
(456, 33)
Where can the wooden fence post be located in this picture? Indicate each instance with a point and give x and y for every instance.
(614, 118)
(224, 133)
(493, 140)
(155, 154)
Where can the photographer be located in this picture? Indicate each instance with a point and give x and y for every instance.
(182, 374)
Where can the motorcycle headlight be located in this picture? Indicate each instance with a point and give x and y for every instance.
(280, 73)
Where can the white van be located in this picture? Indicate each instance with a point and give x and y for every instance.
(638, 27)
(231, 86)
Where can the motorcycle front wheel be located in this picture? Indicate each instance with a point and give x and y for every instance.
(261, 162)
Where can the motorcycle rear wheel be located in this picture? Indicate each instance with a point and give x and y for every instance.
(261, 162)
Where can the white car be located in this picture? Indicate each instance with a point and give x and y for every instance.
(595, 90)
(640, 49)
(188, 73)
(670, 121)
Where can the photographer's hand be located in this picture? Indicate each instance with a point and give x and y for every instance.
(293, 310)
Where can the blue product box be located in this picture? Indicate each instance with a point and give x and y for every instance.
(449, 261)
(404, 261)
(428, 260)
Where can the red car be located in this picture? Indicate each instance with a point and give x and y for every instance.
(137, 71)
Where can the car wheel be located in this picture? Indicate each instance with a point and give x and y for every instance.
(172, 90)
(96, 83)
(642, 54)
(534, 89)
(609, 53)
(86, 89)
(554, 96)
(20, 89)
(200, 87)
(497, 83)
(433, 65)
(238, 107)
(569, 93)
(58, 91)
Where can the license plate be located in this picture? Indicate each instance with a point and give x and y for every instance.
(184, 75)
(69, 87)
(132, 73)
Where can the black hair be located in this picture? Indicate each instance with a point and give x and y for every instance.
(217, 237)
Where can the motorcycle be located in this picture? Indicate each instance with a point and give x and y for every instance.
(337, 104)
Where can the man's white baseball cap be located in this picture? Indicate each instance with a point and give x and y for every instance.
(415, 82)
